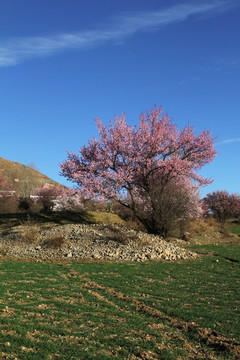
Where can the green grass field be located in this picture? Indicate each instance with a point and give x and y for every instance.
(152, 310)
(234, 229)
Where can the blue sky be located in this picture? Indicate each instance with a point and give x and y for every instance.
(64, 62)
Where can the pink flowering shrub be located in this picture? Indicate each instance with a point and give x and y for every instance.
(125, 164)
(53, 197)
(46, 195)
(70, 199)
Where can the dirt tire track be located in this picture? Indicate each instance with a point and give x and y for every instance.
(211, 338)
(102, 298)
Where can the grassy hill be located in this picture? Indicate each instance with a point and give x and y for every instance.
(23, 178)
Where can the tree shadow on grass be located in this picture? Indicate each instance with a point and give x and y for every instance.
(67, 217)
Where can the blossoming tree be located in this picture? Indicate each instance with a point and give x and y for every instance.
(46, 195)
(70, 199)
(223, 205)
(126, 163)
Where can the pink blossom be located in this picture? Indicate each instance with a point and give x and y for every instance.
(223, 205)
(128, 160)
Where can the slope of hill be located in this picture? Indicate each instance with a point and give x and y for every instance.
(23, 178)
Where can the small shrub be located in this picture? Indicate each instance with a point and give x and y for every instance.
(30, 234)
(30, 230)
(25, 204)
(135, 224)
(54, 242)
(120, 236)
(3, 251)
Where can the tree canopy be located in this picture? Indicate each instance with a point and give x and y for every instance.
(125, 163)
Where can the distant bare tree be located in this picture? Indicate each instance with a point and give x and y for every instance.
(26, 186)
(33, 166)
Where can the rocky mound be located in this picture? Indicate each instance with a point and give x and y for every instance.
(96, 242)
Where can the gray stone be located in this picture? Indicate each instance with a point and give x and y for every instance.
(94, 241)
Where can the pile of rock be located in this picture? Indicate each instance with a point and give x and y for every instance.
(96, 242)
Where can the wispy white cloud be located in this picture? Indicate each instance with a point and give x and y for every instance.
(224, 65)
(228, 141)
(189, 80)
(14, 51)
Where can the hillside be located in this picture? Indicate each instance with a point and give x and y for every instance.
(23, 178)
